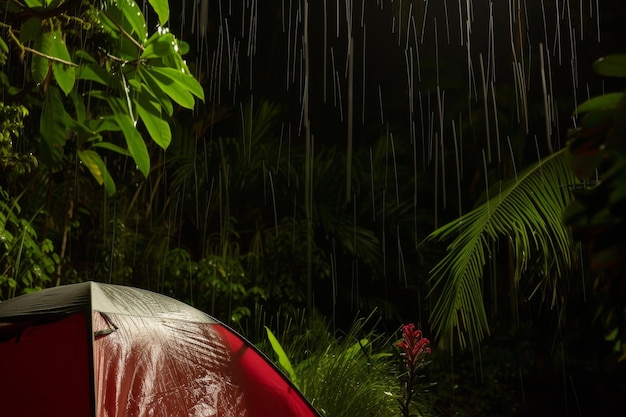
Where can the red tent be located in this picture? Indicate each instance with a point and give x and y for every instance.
(103, 350)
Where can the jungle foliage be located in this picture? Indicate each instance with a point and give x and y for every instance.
(119, 163)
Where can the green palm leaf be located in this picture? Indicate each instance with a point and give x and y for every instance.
(527, 211)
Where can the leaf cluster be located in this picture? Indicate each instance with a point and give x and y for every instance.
(97, 78)
(525, 212)
(596, 152)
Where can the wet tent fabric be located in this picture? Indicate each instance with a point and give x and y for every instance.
(103, 350)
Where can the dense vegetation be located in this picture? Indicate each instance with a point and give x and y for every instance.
(132, 152)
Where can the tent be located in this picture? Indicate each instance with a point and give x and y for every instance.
(102, 350)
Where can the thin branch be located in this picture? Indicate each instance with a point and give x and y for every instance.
(50, 57)
(25, 48)
(126, 34)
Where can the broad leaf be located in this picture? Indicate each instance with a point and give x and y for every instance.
(93, 72)
(30, 29)
(40, 65)
(79, 107)
(64, 74)
(283, 359)
(162, 9)
(150, 86)
(182, 79)
(112, 147)
(35, 3)
(104, 124)
(96, 166)
(162, 83)
(134, 141)
(159, 46)
(611, 65)
(53, 127)
(131, 14)
(150, 112)
(604, 102)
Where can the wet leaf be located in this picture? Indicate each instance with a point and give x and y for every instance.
(149, 86)
(39, 64)
(79, 107)
(112, 147)
(34, 3)
(162, 9)
(150, 113)
(132, 13)
(64, 74)
(30, 30)
(604, 102)
(53, 127)
(171, 80)
(96, 166)
(134, 141)
(93, 72)
(611, 65)
(160, 46)
(283, 359)
(103, 124)
(161, 83)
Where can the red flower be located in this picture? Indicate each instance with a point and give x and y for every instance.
(413, 345)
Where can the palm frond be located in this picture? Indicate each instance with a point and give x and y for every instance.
(526, 210)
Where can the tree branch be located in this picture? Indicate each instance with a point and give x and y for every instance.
(126, 34)
(25, 48)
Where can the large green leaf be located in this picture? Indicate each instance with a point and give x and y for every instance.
(182, 79)
(150, 113)
(30, 29)
(159, 46)
(150, 86)
(134, 141)
(64, 74)
(162, 9)
(605, 102)
(111, 147)
(39, 64)
(611, 65)
(53, 127)
(96, 166)
(162, 84)
(527, 211)
(174, 84)
(35, 3)
(130, 16)
(93, 72)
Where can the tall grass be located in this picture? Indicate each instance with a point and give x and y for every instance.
(357, 373)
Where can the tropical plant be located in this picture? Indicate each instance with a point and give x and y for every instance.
(93, 73)
(414, 348)
(522, 213)
(358, 372)
(26, 263)
(597, 154)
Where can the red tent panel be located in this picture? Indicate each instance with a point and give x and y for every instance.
(155, 367)
(267, 391)
(45, 369)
